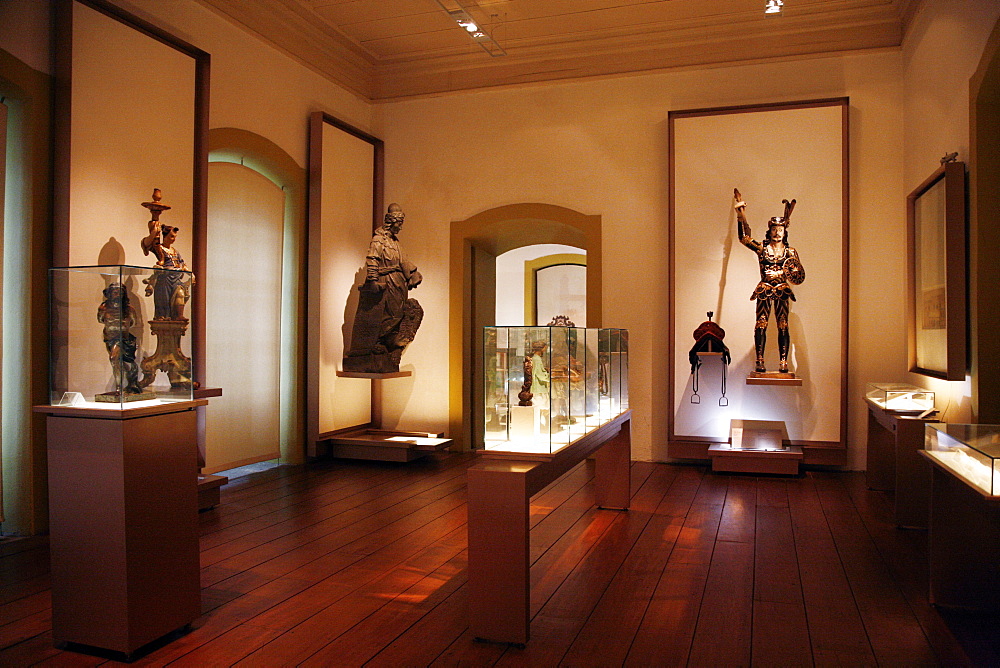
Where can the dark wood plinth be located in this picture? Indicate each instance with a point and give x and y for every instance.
(209, 493)
(499, 494)
(124, 524)
(778, 462)
(963, 543)
(382, 444)
(893, 463)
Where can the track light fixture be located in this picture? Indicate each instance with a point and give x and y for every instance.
(475, 29)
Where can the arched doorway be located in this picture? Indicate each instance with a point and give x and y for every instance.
(257, 166)
(475, 243)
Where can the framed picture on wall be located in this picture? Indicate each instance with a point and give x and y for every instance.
(936, 274)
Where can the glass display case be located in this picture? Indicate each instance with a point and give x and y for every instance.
(545, 387)
(118, 336)
(900, 397)
(972, 451)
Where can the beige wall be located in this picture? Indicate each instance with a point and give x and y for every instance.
(600, 147)
(941, 52)
(254, 87)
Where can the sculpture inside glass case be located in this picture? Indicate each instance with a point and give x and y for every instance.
(118, 317)
(170, 286)
(387, 318)
(780, 268)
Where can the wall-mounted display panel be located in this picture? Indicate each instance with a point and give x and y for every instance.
(345, 205)
(936, 230)
(770, 153)
(133, 103)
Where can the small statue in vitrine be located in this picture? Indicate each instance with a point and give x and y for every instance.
(118, 317)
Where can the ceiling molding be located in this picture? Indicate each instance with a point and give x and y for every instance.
(386, 51)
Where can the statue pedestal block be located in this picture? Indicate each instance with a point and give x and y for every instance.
(773, 378)
(526, 421)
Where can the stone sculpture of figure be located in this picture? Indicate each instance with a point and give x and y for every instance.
(387, 318)
(118, 318)
(170, 288)
(780, 268)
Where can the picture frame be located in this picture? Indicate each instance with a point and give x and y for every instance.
(936, 213)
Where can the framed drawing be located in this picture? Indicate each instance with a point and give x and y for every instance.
(936, 274)
(770, 152)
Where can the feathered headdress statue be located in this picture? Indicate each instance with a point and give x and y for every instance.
(785, 219)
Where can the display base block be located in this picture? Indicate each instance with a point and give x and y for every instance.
(773, 378)
(778, 462)
(525, 421)
(118, 397)
(208, 490)
(383, 445)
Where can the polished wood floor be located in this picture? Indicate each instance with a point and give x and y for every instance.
(353, 563)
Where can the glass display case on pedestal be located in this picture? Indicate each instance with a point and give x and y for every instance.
(545, 387)
(900, 397)
(972, 451)
(118, 336)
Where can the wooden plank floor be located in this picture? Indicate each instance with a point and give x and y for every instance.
(352, 563)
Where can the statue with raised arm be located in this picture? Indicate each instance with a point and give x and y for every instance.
(387, 318)
(170, 286)
(780, 269)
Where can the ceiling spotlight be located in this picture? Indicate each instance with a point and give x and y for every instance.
(773, 7)
(461, 15)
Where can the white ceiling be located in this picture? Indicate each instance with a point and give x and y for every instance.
(389, 49)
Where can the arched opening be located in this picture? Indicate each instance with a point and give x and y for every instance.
(257, 221)
(475, 244)
(984, 196)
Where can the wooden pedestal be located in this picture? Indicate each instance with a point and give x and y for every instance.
(124, 523)
(777, 462)
(964, 544)
(499, 493)
(209, 493)
(894, 463)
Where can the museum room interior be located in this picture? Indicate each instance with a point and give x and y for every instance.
(358, 442)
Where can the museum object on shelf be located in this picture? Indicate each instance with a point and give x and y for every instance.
(82, 345)
(970, 451)
(756, 446)
(118, 317)
(387, 318)
(708, 338)
(936, 267)
(900, 398)
(170, 287)
(780, 269)
(545, 387)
